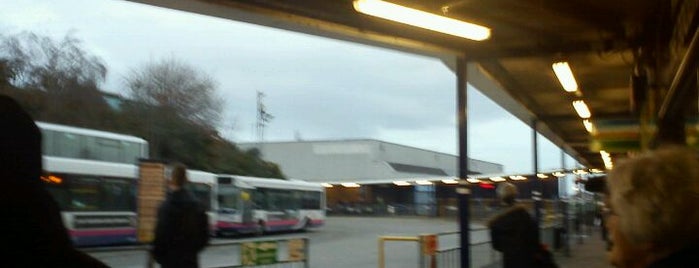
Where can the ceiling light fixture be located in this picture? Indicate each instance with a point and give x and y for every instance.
(559, 174)
(497, 179)
(401, 183)
(541, 176)
(422, 19)
(581, 109)
(589, 126)
(607, 158)
(565, 76)
(350, 184)
(327, 185)
(423, 182)
(450, 181)
(518, 178)
(472, 180)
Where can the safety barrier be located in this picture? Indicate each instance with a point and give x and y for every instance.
(431, 255)
(289, 252)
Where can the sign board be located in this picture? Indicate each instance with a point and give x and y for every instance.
(616, 135)
(429, 245)
(258, 253)
(151, 192)
(296, 248)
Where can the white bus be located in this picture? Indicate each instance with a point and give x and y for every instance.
(97, 199)
(258, 205)
(202, 185)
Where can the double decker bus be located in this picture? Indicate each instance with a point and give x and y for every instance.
(258, 205)
(92, 175)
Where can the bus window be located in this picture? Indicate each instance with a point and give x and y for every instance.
(68, 145)
(202, 193)
(47, 137)
(259, 199)
(116, 195)
(228, 198)
(106, 149)
(59, 193)
(131, 152)
(84, 193)
(311, 200)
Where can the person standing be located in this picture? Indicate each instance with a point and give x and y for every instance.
(32, 233)
(182, 230)
(513, 232)
(653, 217)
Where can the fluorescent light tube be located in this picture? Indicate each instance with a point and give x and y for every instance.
(581, 109)
(565, 76)
(422, 19)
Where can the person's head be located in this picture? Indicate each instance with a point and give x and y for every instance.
(653, 200)
(20, 143)
(507, 192)
(178, 176)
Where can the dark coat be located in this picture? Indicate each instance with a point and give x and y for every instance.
(182, 231)
(514, 233)
(687, 257)
(32, 233)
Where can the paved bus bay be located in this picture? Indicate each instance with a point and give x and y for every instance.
(343, 242)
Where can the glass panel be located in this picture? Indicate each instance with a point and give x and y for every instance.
(107, 150)
(259, 199)
(131, 152)
(202, 193)
(85, 194)
(117, 195)
(228, 197)
(311, 200)
(67, 145)
(59, 193)
(47, 142)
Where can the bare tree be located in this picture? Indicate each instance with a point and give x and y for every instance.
(42, 63)
(178, 87)
(58, 78)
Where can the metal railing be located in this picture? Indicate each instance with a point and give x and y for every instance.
(291, 252)
(431, 255)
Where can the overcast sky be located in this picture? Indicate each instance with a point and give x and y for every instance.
(316, 88)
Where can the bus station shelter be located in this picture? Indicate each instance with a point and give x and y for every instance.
(634, 63)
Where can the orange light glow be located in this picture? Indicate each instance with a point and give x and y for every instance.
(52, 179)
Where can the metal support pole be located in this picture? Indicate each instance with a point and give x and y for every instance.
(536, 186)
(420, 254)
(382, 260)
(463, 191)
(566, 213)
(307, 251)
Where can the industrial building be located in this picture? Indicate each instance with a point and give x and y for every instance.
(365, 175)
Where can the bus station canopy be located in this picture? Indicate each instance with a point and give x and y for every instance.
(605, 43)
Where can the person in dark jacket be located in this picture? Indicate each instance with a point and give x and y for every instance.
(182, 230)
(32, 233)
(653, 219)
(513, 232)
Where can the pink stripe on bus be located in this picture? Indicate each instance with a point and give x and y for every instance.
(126, 231)
(223, 224)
